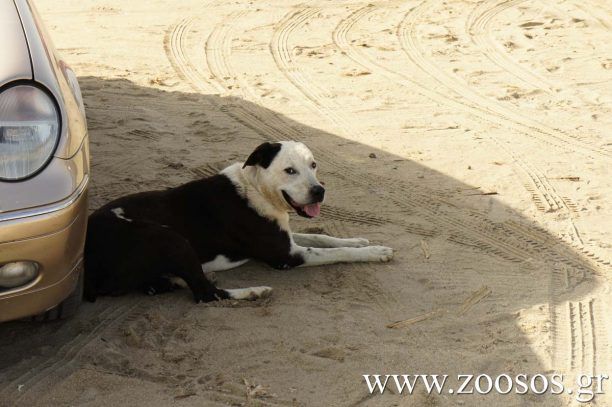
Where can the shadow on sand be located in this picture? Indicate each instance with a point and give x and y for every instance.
(493, 296)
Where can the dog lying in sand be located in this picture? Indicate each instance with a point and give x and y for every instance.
(154, 241)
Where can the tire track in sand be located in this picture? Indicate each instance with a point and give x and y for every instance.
(282, 53)
(41, 375)
(456, 97)
(478, 26)
(600, 15)
(543, 193)
(581, 328)
(222, 80)
(410, 42)
(174, 45)
(218, 49)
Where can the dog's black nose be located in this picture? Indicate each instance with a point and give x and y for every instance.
(317, 192)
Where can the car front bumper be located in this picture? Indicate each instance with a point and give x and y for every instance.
(54, 237)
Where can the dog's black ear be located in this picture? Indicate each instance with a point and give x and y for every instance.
(263, 155)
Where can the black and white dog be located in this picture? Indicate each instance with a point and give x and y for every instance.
(150, 241)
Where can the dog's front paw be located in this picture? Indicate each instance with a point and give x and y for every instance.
(380, 253)
(356, 242)
(251, 293)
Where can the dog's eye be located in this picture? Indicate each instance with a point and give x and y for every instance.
(313, 165)
(290, 170)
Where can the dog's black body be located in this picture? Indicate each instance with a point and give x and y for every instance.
(173, 232)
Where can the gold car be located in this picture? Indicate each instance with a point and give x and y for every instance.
(44, 172)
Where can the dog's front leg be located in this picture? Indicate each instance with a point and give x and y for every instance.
(314, 240)
(314, 256)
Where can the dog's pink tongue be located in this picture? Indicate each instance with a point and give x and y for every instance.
(313, 210)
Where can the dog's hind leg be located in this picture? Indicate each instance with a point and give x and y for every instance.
(184, 264)
(314, 240)
(251, 293)
(160, 252)
(142, 254)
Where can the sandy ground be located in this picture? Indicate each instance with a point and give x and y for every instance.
(471, 136)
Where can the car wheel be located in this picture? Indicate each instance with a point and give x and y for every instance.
(66, 308)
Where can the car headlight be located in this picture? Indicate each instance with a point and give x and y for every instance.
(29, 131)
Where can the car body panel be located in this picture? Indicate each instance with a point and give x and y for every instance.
(39, 300)
(14, 52)
(14, 225)
(59, 254)
(43, 218)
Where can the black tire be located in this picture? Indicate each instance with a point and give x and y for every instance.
(66, 308)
